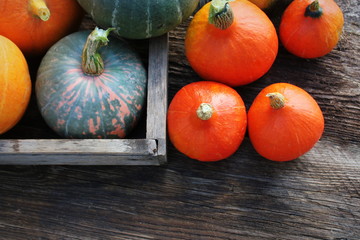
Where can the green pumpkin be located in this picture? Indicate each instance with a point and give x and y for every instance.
(139, 19)
(89, 86)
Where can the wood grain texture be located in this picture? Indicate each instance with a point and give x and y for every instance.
(157, 100)
(315, 197)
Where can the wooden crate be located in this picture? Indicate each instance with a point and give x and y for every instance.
(150, 150)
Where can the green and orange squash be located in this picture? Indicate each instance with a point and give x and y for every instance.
(139, 19)
(91, 85)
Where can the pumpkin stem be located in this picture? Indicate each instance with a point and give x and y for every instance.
(92, 62)
(39, 9)
(313, 10)
(221, 14)
(205, 111)
(277, 100)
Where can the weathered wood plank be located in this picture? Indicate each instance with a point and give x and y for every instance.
(157, 99)
(78, 151)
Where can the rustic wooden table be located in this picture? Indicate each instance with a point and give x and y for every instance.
(243, 197)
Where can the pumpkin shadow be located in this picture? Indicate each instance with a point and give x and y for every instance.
(244, 188)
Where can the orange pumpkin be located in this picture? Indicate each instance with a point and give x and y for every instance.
(232, 42)
(35, 25)
(284, 122)
(206, 121)
(311, 29)
(15, 84)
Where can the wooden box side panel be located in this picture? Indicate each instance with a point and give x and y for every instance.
(157, 98)
(79, 152)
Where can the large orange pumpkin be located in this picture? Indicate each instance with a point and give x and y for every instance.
(284, 122)
(35, 25)
(311, 28)
(232, 42)
(207, 121)
(15, 84)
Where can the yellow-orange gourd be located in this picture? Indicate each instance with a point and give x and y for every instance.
(15, 84)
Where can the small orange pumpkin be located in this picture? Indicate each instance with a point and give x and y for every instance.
(15, 84)
(311, 28)
(232, 42)
(35, 25)
(206, 121)
(284, 122)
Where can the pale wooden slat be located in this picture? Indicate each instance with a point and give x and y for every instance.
(79, 159)
(78, 146)
(79, 151)
(157, 97)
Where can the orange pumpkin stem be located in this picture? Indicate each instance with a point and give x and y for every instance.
(205, 111)
(313, 10)
(221, 14)
(277, 100)
(39, 9)
(92, 63)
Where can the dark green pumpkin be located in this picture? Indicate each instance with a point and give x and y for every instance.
(139, 19)
(77, 103)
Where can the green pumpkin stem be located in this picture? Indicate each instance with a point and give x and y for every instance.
(205, 111)
(313, 10)
(39, 9)
(92, 63)
(277, 100)
(221, 14)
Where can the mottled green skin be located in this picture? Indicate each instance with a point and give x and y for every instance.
(139, 19)
(77, 105)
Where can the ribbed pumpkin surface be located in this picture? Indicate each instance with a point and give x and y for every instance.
(139, 19)
(76, 105)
